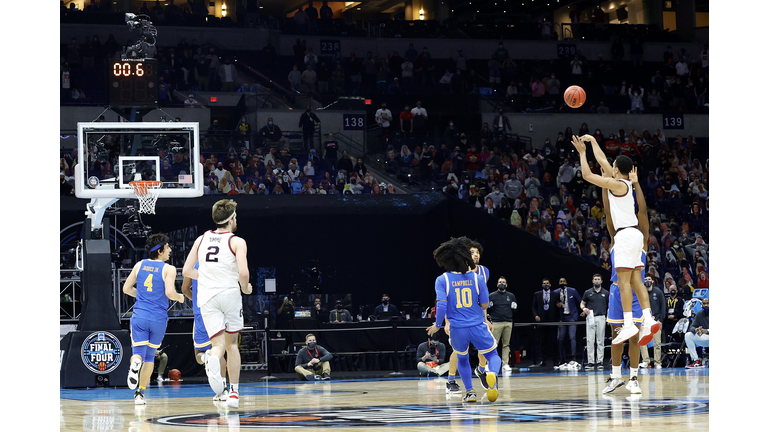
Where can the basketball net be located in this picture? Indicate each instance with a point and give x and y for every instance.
(146, 191)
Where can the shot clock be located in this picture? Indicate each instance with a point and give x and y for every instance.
(133, 83)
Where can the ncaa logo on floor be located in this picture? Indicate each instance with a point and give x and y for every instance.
(101, 352)
(540, 411)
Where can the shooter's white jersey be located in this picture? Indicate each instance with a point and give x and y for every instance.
(623, 207)
(217, 266)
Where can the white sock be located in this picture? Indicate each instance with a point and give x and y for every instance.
(632, 372)
(234, 387)
(615, 371)
(628, 319)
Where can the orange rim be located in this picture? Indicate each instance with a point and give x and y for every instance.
(142, 187)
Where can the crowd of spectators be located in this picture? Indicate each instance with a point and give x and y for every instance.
(541, 191)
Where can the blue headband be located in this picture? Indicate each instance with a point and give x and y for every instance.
(157, 247)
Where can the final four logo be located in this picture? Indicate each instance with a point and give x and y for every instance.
(102, 352)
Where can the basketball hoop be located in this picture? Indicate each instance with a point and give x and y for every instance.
(146, 191)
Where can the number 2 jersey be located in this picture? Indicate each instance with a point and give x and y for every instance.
(463, 293)
(151, 302)
(217, 266)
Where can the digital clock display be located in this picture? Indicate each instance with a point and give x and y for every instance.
(133, 83)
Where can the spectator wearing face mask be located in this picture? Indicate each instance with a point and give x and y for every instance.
(698, 334)
(501, 307)
(658, 309)
(339, 314)
(385, 306)
(595, 303)
(431, 355)
(313, 360)
(674, 310)
(270, 132)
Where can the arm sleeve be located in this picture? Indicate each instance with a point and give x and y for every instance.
(440, 310)
(324, 354)
(301, 358)
(420, 351)
(440, 353)
(483, 295)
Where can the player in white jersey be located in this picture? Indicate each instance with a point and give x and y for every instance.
(222, 274)
(628, 241)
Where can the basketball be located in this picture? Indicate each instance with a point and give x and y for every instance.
(574, 96)
(174, 375)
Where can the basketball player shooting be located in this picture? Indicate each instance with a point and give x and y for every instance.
(615, 318)
(222, 274)
(462, 297)
(628, 241)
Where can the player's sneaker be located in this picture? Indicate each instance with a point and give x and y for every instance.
(648, 329)
(326, 377)
(471, 396)
(222, 397)
(133, 374)
(572, 365)
(506, 369)
(658, 365)
(643, 365)
(493, 386)
(626, 333)
(452, 387)
(138, 398)
(589, 367)
(634, 386)
(696, 364)
(482, 376)
(600, 366)
(613, 384)
(233, 400)
(213, 370)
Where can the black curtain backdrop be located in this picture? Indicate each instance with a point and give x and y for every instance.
(368, 245)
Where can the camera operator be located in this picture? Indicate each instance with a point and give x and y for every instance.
(431, 355)
(313, 360)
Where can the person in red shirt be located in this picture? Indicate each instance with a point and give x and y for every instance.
(628, 148)
(472, 158)
(406, 120)
(612, 147)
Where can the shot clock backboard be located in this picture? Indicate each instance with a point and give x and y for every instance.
(133, 83)
(110, 155)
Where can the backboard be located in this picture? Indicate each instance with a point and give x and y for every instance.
(110, 155)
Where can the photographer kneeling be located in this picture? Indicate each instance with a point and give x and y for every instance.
(313, 360)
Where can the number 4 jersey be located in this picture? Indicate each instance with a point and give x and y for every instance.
(217, 266)
(463, 292)
(151, 302)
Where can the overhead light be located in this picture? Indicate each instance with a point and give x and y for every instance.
(223, 9)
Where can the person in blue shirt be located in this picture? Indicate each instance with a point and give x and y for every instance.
(475, 250)
(200, 339)
(152, 283)
(462, 298)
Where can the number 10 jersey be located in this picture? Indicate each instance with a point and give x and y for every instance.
(217, 266)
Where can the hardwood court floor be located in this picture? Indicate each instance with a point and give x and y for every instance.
(674, 399)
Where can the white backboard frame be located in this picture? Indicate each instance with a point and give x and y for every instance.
(81, 191)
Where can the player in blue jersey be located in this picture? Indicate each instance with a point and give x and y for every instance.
(154, 282)
(615, 311)
(475, 249)
(200, 339)
(462, 298)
